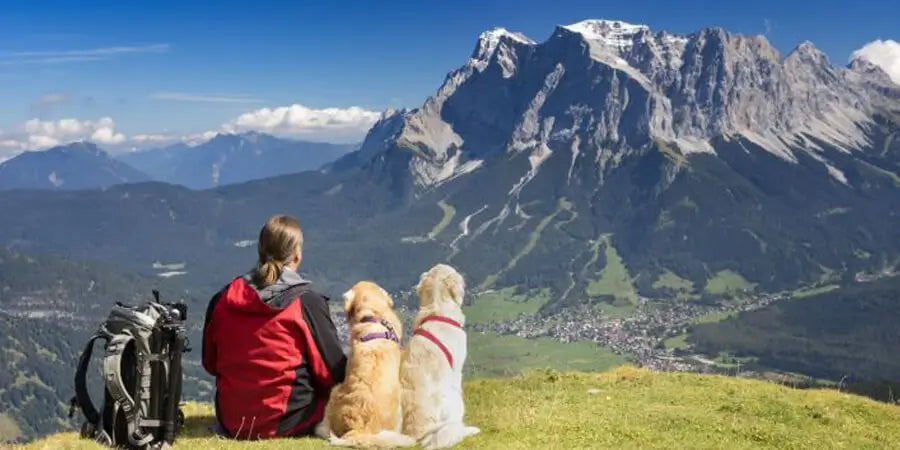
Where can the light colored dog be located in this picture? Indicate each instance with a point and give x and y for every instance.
(431, 370)
(364, 410)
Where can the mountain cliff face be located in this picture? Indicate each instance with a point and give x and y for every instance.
(617, 87)
(688, 154)
(74, 166)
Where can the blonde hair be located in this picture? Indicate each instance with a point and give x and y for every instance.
(279, 240)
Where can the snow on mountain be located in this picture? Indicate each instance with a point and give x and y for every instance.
(618, 87)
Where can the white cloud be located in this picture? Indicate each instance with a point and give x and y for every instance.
(327, 124)
(37, 134)
(884, 54)
(204, 98)
(198, 138)
(301, 120)
(91, 54)
(153, 138)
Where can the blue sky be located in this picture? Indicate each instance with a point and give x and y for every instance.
(184, 67)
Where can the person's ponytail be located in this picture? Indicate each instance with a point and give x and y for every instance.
(268, 272)
(279, 240)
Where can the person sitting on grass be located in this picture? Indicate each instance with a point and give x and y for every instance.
(269, 341)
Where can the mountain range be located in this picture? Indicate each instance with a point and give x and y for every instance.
(224, 159)
(233, 158)
(687, 157)
(75, 166)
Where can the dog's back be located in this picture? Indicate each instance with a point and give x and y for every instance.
(431, 369)
(365, 409)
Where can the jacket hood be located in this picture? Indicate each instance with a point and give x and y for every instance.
(244, 294)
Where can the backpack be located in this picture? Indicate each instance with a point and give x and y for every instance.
(142, 377)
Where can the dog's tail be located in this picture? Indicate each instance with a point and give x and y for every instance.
(447, 435)
(383, 439)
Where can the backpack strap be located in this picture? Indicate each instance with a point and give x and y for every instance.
(82, 396)
(112, 368)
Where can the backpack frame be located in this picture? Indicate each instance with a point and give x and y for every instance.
(142, 376)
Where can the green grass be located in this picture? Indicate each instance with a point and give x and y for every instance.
(13, 356)
(668, 280)
(677, 342)
(503, 355)
(713, 317)
(617, 309)
(449, 212)
(9, 430)
(810, 292)
(614, 279)
(828, 274)
(729, 361)
(625, 408)
(887, 173)
(727, 281)
(505, 304)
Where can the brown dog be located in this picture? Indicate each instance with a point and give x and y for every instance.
(364, 410)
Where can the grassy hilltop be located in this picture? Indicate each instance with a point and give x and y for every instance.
(626, 408)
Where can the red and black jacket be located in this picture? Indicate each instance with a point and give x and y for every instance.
(275, 360)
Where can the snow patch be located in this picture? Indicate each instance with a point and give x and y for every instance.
(171, 266)
(521, 212)
(836, 174)
(691, 144)
(498, 219)
(575, 151)
(832, 171)
(55, 180)
(245, 243)
(612, 33)
(464, 227)
(490, 40)
(215, 174)
(171, 274)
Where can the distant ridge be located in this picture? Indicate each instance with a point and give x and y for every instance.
(81, 165)
(234, 158)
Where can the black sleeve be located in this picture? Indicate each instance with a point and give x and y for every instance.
(318, 317)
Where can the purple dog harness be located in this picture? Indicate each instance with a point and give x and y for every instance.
(390, 334)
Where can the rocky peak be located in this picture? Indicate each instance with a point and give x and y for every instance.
(619, 86)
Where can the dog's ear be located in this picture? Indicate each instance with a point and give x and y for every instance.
(350, 303)
(425, 289)
(390, 300)
(455, 286)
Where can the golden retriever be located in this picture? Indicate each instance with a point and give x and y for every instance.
(364, 410)
(431, 369)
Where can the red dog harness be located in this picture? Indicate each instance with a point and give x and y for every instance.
(427, 334)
